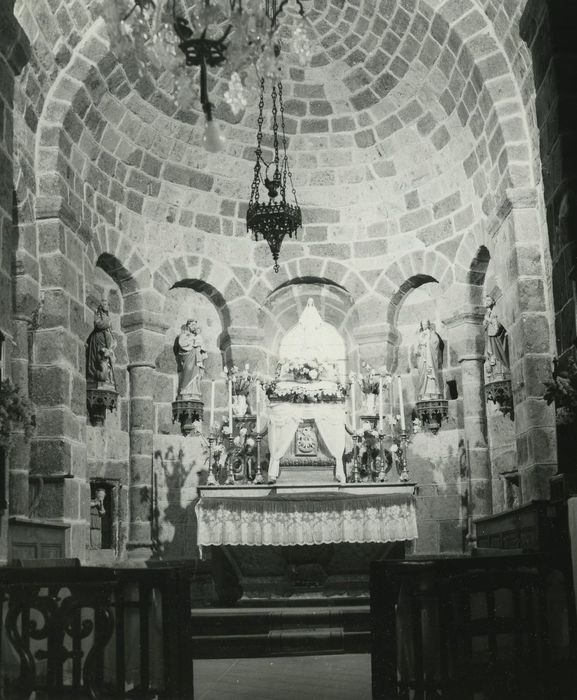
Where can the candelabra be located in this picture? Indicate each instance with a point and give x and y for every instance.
(229, 464)
(356, 475)
(402, 456)
(382, 474)
(258, 477)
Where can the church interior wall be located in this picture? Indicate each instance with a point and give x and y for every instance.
(392, 188)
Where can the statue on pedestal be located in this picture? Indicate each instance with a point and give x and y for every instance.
(190, 354)
(428, 359)
(100, 349)
(101, 394)
(497, 362)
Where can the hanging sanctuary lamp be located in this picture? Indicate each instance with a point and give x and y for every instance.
(276, 218)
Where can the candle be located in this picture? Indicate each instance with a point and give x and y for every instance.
(401, 406)
(353, 410)
(212, 389)
(257, 409)
(230, 404)
(381, 404)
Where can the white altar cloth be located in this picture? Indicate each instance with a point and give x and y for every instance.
(285, 418)
(305, 518)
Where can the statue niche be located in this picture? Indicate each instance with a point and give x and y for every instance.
(190, 353)
(307, 417)
(101, 392)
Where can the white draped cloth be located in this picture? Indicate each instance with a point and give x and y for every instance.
(306, 520)
(285, 418)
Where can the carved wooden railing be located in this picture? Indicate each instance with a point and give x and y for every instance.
(467, 627)
(71, 630)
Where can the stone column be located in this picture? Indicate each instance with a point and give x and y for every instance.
(466, 343)
(141, 428)
(145, 331)
(19, 498)
(475, 425)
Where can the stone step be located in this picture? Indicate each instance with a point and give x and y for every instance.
(270, 631)
(288, 643)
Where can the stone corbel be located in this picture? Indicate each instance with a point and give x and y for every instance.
(99, 399)
(500, 392)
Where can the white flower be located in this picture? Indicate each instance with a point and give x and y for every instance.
(236, 441)
(250, 442)
(313, 374)
(243, 432)
(226, 429)
(394, 448)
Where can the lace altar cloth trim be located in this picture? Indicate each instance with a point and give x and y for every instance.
(299, 521)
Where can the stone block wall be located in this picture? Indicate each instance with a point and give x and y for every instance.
(546, 28)
(412, 142)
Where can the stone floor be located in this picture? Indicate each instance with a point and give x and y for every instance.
(337, 677)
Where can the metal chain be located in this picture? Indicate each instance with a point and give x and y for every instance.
(254, 190)
(275, 133)
(286, 167)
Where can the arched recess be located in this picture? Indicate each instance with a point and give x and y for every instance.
(283, 307)
(108, 448)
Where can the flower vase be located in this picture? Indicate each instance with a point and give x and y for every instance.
(239, 405)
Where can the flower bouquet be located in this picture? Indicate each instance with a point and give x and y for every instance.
(368, 379)
(241, 380)
(304, 394)
(306, 370)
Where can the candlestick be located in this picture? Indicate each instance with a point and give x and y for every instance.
(401, 405)
(229, 463)
(356, 476)
(257, 407)
(212, 390)
(230, 405)
(353, 409)
(380, 404)
(211, 479)
(258, 477)
(382, 475)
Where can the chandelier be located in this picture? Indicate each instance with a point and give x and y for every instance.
(240, 35)
(275, 219)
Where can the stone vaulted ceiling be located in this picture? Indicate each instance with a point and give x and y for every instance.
(403, 134)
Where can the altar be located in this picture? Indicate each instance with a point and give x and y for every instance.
(278, 542)
(306, 514)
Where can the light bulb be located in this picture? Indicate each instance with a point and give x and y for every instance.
(212, 138)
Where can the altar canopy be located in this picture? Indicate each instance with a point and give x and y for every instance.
(285, 418)
(306, 519)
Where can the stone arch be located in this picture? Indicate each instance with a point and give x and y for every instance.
(284, 305)
(67, 96)
(490, 67)
(213, 295)
(308, 268)
(409, 272)
(219, 279)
